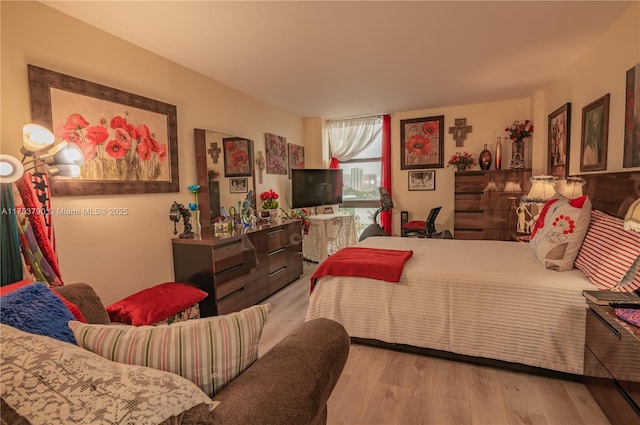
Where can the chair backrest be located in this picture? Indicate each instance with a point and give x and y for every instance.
(430, 224)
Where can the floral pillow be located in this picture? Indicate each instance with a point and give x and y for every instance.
(558, 234)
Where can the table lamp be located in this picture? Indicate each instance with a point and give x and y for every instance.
(571, 187)
(632, 219)
(542, 189)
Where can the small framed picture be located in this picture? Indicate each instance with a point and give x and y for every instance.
(559, 142)
(239, 185)
(595, 135)
(422, 180)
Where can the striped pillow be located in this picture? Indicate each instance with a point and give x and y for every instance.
(608, 253)
(209, 352)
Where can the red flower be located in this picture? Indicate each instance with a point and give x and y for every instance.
(162, 153)
(239, 158)
(143, 132)
(430, 128)
(118, 122)
(75, 122)
(144, 150)
(97, 134)
(88, 150)
(116, 149)
(71, 137)
(153, 143)
(418, 144)
(133, 131)
(123, 137)
(230, 146)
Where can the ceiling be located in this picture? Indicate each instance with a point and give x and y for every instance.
(337, 59)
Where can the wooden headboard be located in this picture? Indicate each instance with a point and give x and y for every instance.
(612, 193)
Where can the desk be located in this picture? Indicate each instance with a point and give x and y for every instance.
(327, 234)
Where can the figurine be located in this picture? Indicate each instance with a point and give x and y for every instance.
(175, 213)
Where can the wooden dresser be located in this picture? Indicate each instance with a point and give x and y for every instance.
(480, 214)
(612, 365)
(240, 269)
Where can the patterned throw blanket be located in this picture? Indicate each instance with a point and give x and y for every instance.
(372, 263)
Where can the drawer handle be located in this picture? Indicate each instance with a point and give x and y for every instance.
(278, 251)
(227, 243)
(233, 294)
(606, 324)
(271, 232)
(278, 271)
(230, 269)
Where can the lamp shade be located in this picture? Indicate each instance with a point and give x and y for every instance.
(63, 153)
(542, 189)
(35, 137)
(10, 169)
(512, 187)
(632, 219)
(64, 170)
(571, 187)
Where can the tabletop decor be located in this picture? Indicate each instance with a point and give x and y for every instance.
(422, 143)
(129, 142)
(193, 207)
(461, 160)
(518, 132)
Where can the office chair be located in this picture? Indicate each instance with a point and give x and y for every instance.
(425, 229)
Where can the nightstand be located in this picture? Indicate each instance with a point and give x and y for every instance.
(612, 365)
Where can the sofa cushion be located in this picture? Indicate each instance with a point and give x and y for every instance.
(155, 304)
(36, 309)
(88, 389)
(209, 352)
(559, 232)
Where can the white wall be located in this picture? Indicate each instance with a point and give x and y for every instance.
(121, 255)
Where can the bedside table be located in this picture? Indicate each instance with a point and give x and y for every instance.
(612, 365)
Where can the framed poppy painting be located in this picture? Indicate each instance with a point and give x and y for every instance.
(237, 157)
(128, 142)
(422, 143)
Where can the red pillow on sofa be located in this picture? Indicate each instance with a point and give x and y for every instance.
(154, 304)
(74, 309)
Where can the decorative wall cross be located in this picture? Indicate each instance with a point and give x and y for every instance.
(214, 151)
(460, 131)
(260, 162)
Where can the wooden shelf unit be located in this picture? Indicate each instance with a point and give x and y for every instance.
(480, 214)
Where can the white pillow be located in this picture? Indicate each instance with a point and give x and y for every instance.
(209, 352)
(558, 234)
(48, 381)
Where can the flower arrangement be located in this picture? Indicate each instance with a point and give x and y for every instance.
(194, 188)
(462, 160)
(269, 200)
(519, 130)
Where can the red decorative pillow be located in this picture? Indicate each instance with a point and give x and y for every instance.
(609, 252)
(154, 304)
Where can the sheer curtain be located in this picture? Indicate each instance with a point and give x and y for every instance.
(349, 137)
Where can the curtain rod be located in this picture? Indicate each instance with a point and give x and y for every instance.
(358, 116)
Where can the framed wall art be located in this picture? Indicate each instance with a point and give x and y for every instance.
(422, 180)
(128, 142)
(277, 162)
(422, 143)
(595, 135)
(239, 185)
(238, 161)
(631, 155)
(559, 143)
(296, 157)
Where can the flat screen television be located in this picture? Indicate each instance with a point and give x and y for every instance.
(315, 187)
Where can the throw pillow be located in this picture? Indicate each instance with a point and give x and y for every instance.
(559, 232)
(74, 309)
(36, 309)
(209, 352)
(155, 304)
(608, 253)
(49, 382)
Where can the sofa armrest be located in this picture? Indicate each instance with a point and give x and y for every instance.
(291, 383)
(87, 300)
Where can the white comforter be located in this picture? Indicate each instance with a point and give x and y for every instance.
(489, 299)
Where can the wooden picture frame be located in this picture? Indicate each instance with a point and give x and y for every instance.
(422, 180)
(422, 143)
(631, 155)
(277, 157)
(129, 142)
(595, 135)
(238, 157)
(559, 132)
(239, 185)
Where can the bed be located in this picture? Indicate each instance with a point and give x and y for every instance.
(481, 300)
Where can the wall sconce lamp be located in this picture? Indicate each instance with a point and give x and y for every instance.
(35, 138)
(10, 169)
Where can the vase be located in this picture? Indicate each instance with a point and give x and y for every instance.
(517, 154)
(197, 229)
(499, 153)
(461, 167)
(485, 158)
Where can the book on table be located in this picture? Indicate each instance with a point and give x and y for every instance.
(609, 297)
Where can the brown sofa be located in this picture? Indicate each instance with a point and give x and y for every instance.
(290, 384)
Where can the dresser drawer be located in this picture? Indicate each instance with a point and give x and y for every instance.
(278, 280)
(276, 239)
(277, 260)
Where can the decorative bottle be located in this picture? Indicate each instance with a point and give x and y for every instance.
(499, 154)
(485, 158)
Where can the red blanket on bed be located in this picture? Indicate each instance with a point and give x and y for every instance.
(372, 263)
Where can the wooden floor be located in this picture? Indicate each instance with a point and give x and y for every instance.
(386, 387)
